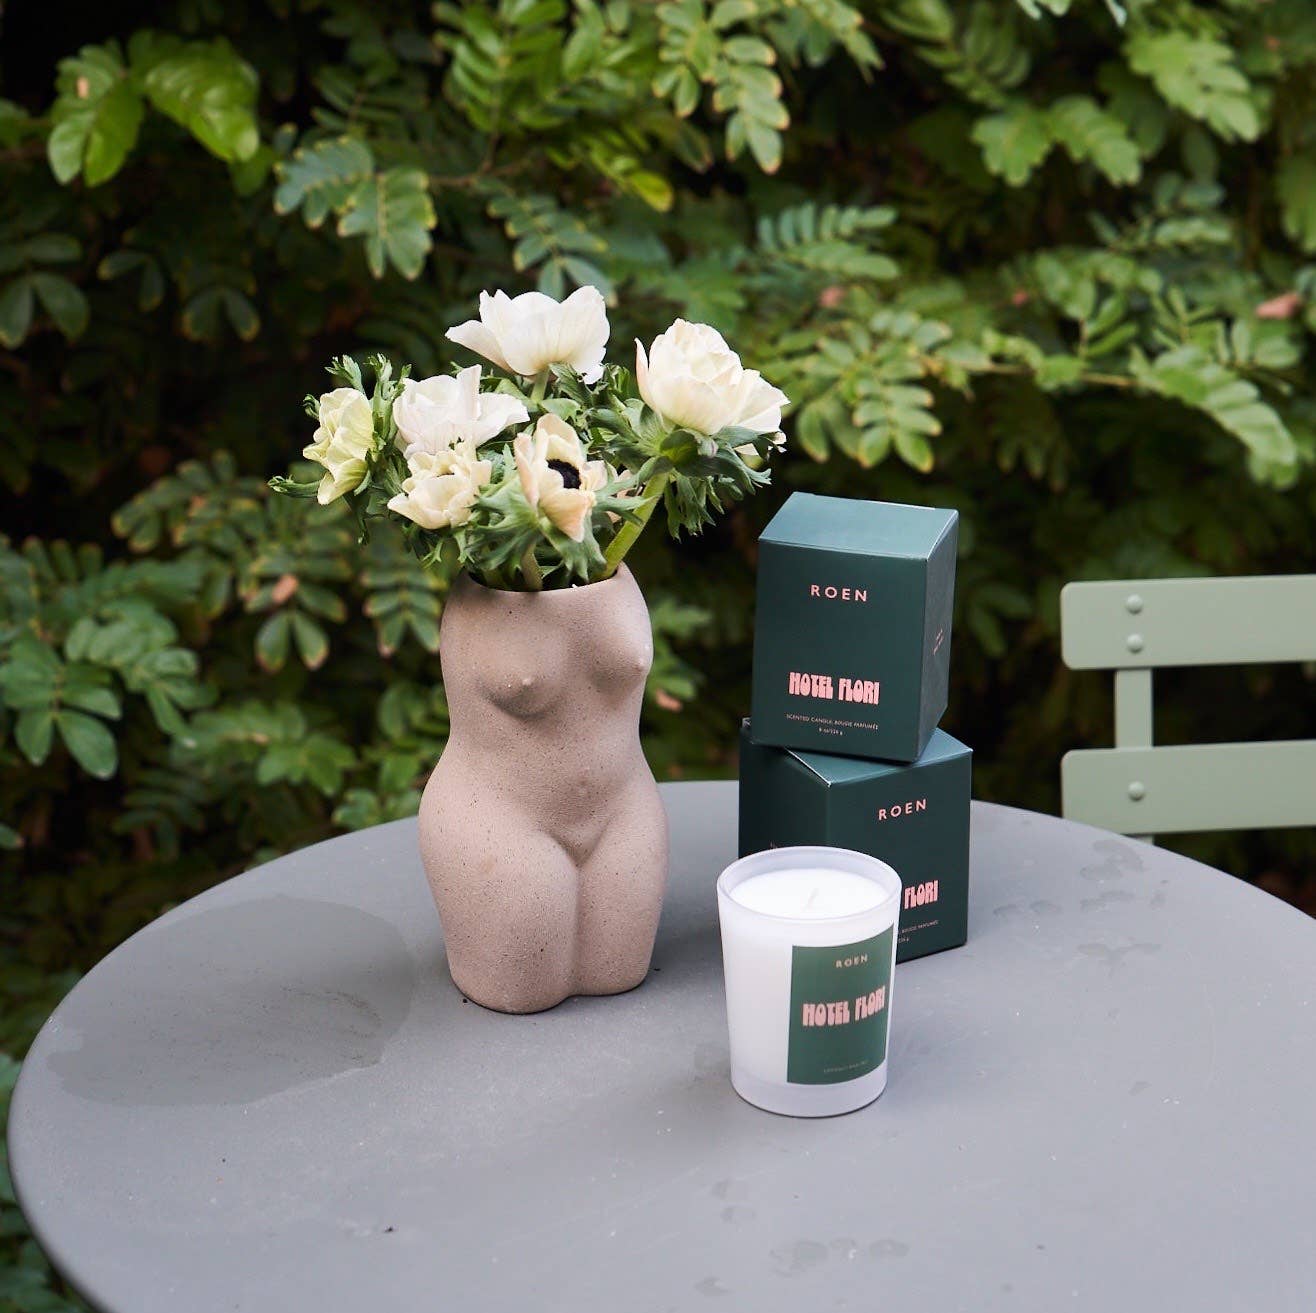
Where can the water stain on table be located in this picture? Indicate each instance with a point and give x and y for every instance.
(318, 989)
(1117, 860)
(1105, 899)
(1114, 958)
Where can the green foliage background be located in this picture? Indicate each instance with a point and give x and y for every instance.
(1052, 262)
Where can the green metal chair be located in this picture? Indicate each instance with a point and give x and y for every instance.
(1135, 626)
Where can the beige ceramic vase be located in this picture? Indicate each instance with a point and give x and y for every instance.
(541, 828)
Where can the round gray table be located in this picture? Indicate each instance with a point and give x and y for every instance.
(274, 1098)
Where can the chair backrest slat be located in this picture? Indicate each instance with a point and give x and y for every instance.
(1135, 626)
(1150, 623)
(1197, 787)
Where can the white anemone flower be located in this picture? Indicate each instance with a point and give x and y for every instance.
(555, 475)
(341, 441)
(433, 414)
(694, 380)
(526, 334)
(443, 486)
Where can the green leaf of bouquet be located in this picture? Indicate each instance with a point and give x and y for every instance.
(89, 742)
(680, 446)
(96, 116)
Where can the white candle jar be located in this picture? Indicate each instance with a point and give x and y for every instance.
(808, 953)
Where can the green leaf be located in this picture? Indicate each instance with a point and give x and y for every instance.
(1088, 132)
(1015, 141)
(312, 642)
(85, 689)
(63, 302)
(151, 289)
(764, 144)
(205, 315)
(321, 179)
(395, 215)
(50, 248)
(15, 124)
(96, 116)
(16, 307)
(1295, 185)
(1056, 373)
(316, 759)
(34, 731)
(249, 175)
(544, 232)
(207, 88)
(914, 449)
(1144, 114)
(90, 743)
(1188, 375)
(1197, 75)
(272, 641)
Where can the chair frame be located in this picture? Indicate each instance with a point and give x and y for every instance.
(1135, 626)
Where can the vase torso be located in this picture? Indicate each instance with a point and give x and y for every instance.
(542, 831)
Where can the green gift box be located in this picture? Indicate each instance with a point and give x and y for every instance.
(914, 817)
(852, 631)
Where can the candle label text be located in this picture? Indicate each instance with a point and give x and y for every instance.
(919, 895)
(838, 1022)
(829, 689)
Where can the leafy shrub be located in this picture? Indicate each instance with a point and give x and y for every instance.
(1051, 262)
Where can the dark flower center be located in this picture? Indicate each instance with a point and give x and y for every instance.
(570, 474)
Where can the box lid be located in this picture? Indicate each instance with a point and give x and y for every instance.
(845, 524)
(851, 770)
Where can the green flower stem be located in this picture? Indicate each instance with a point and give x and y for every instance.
(530, 571)
(632, 529)
(539, 387)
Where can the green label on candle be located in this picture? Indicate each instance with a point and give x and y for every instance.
(840, 1001)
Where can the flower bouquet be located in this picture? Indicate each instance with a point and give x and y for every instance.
(541, 828)
(542, 474)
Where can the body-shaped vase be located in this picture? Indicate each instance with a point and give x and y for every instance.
(541, 829)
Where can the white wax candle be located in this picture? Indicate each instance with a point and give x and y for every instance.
(808, 947)
(808, 892)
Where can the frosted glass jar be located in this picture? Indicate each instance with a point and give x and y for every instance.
(808, 954)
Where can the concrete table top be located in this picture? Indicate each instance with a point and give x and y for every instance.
(273, 1098)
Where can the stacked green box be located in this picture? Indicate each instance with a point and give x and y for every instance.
(913, 817)
(852, 629)
(852, 656)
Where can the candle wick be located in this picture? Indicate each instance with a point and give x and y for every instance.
(809, 901)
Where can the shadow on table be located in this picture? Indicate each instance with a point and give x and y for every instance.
(319, 990)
